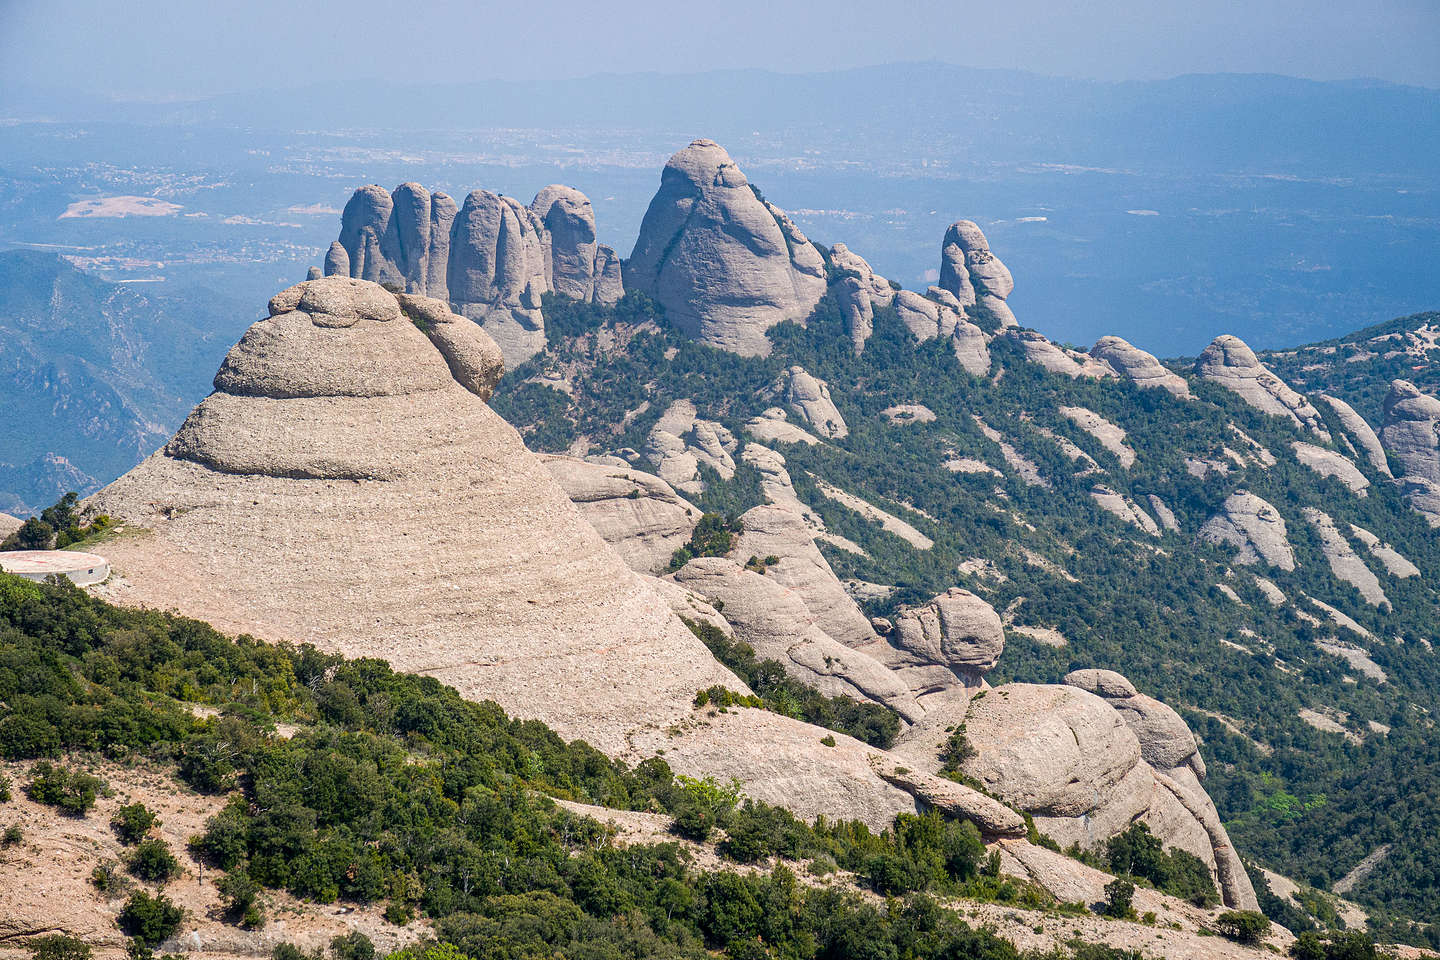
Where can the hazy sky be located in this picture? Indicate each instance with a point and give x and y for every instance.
(170, 48)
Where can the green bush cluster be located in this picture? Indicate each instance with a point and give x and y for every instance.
(1139, 853)
(72, 791)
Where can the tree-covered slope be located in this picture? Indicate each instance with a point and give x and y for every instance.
(1315, 761)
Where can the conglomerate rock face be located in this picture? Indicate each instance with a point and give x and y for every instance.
(491, 258)
(1411, 433)
(726, 265)
(1139, 367)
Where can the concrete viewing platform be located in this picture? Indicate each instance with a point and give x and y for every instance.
(83, 569)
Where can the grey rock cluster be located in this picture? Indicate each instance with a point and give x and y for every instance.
(862, 290)
(726, 265)
(491, 258)
(1229, 362)
(1411, 433)
(808, 397)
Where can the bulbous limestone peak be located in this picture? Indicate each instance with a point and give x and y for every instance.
(726, 265)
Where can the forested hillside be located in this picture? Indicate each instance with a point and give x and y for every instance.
(1315, 705)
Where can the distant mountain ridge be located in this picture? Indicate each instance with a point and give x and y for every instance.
(95, 375)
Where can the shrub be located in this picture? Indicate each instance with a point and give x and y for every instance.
(11, 836)
(70, 791)
(352, 946)
(5, 794)
(150, 920)
(57, 946)
(132, 821)
(1243, 926)
(240, 895)
(153, 862)
(1119, 899)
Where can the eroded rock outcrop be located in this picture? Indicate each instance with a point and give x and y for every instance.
(639, 515)
(1139, 367)
(1360, 433)
(777, 623)
(1330, 463)
(957, 632)
(780, 531)
(808, 397)
(1344, 562)
(1229, 362)
(1254, 527)
(580, 267)
(299, 503)
(491, 259)
(681, 441)
(725, 264)
(1057, 359)
(1110, 435)
(1411, 433)
(1123, 507)
(975, 276)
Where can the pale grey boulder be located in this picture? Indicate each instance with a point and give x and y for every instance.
(858, 310)
(1254, 528)
(1360, 433)
(474, 358)
(1165, 737)
(580, 267)
(1139, 367)
(923, 317)
(808, 397)
(718, 258)
(876, 287)
(1330, 463)
(1411, 434)
(567, 215)
(609, 286)
(977, 278)
(638, 514)
(1229, 362)
(368, 238)
(313, 273)
(337, 260)
(956, 630)
(1038, 349)
(1411, 430)
(773, 620)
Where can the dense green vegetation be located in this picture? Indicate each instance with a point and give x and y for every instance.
(395, 789)
(1309, 803)
(58, 526)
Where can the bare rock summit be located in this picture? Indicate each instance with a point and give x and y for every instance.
(726, 265)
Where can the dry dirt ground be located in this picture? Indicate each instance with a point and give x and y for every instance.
(45, 879)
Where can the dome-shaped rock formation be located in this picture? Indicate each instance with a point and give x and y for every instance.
(580, 268)
(956, 630)
(1229, 362)
(343, 487)
(726, 265)
(975, 276)
(1139, 367)
(1360, 433)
